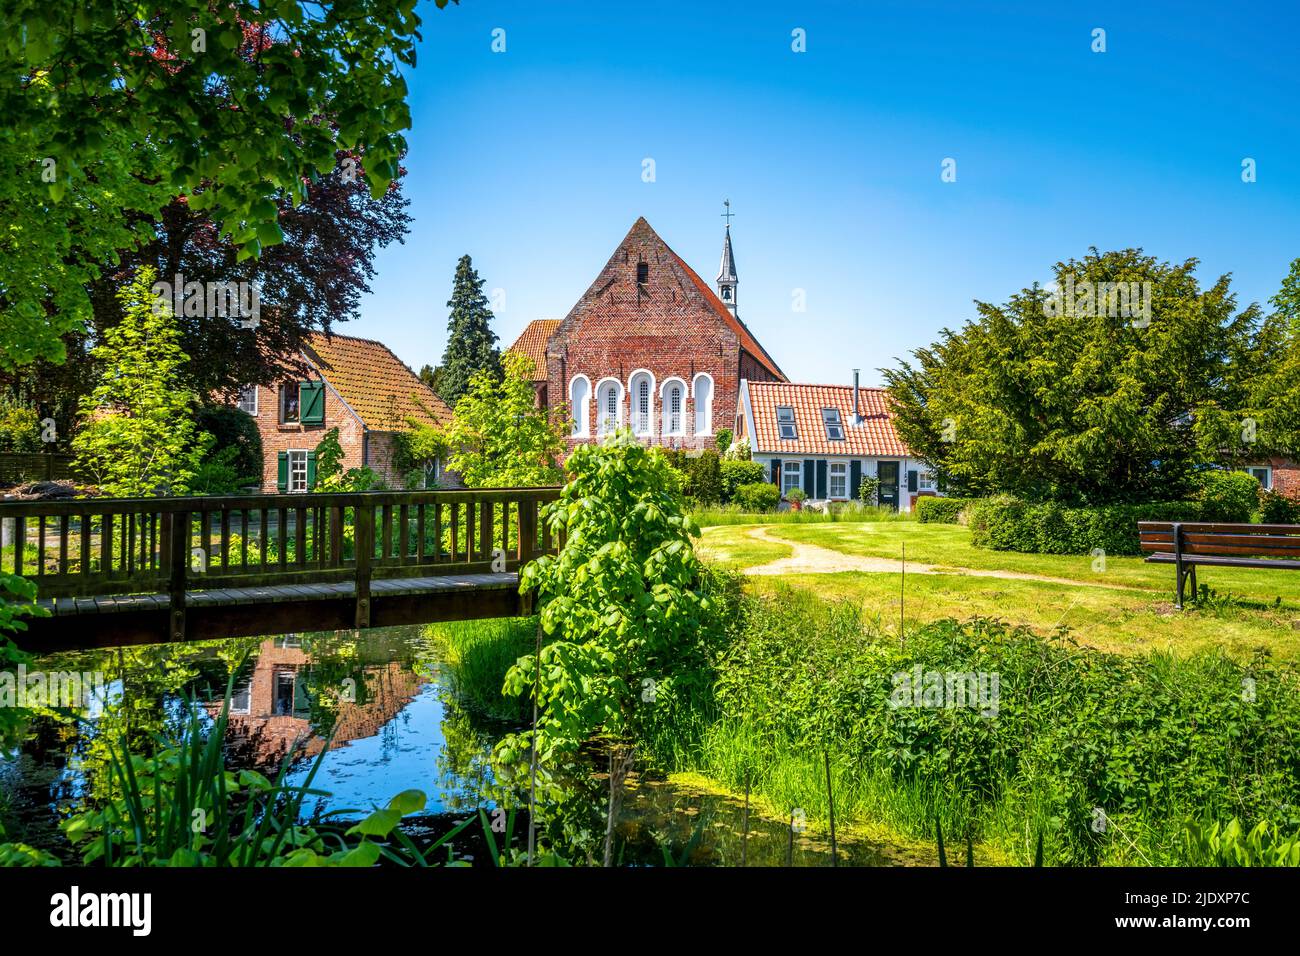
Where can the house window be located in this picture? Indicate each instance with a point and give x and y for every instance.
(673, 409)
(790, 474)
(839, 479)
(834, 427)
(1263, 474)
(785, 422)
(241, 699)
(642, 272)
(925, 481)
(248, 400)
(642, 392)
(297, 471)
(289, 405)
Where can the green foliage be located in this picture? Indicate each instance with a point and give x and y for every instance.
(1003, 523)
(1215, 844)
(477, 655)
(1229, 496)
(868, 489)
(738, 451)
(700, 475)
(934, 510)
(232, 427)
(723, 440)
(499, 437)
(20, 428)
(759, 496)
(621, 604)
(1078, 405)
(417, 451)
(133, 105)
(1277, 508)
(139, 438)
(218, 475)
(737, 473)
(1144, 738)
(796, 495)
(471, 344)
(17, 601)
(330, 475)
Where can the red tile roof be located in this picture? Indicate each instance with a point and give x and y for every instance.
(375, 383)
(874, 436)
(532, 342)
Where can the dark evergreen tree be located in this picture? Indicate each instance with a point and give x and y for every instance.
(471, 343)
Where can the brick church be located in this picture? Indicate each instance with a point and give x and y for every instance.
(651, 346)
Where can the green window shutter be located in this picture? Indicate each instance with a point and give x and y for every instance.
(855, 478)
(311, 470)
(311, 399)
(282, 471)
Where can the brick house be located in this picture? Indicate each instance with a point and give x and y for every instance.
(1278, 474)
(357, 385)
(649, 345)
(823, 439)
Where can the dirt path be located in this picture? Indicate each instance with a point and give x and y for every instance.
(814, 559)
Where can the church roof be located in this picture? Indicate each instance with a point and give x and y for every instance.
(728, 268)
(532, 342)
(873, 436)
(375, 383)
(676, 295)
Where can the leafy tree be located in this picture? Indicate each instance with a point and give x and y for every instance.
(619, 605)
(330, 475)
(122, 106)
(234, 428)
(140, 437)
(1077, 404)
(499, 438)
(471, 342)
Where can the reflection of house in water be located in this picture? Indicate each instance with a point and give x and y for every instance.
(270, 714)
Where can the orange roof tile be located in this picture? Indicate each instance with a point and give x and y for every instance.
(532, 342)
(375, 383)
(873, 436)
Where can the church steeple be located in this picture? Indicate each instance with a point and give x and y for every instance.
(727, 279)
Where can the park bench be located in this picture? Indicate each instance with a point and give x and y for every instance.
(1186, 545)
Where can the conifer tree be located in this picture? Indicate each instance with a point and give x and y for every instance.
(471, 343)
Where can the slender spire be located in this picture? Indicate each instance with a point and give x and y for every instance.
(727, 278)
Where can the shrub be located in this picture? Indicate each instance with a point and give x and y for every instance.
(1004, 523)
(218, 475)
(1277, 508)
(932, 510)
(1230, 496)
(20, 429)
(796, 495)
(868, 489)
(234, 428)
(737, 473)
(758, 496)
(738, 451)
(704, 478)
(723, 440)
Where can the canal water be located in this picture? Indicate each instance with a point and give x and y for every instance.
(380, 710)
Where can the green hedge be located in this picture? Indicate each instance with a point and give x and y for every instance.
(737, 473)
(1008, 524)
(932, 510)
(758, 496)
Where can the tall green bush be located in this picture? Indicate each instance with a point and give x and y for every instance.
(1230, 496)
(1003, 523)
(737, 473)
(934, 510)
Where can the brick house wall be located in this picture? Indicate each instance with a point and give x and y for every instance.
(1286, 477)
(280, 436)
(648, 311)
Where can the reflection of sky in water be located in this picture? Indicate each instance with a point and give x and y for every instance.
(406, 754)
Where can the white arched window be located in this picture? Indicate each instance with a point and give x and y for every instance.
(674, 407)
(609, 401)
(579, 395)
(641, 386)
(703, 389)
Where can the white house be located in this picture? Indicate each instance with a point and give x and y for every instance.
(824, 438)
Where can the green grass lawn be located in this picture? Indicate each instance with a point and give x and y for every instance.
(1253, 610)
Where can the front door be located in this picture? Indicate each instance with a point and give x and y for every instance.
(887, 472)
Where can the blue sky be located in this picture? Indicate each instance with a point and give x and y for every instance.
(531, 160)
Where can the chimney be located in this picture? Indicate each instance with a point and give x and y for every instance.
(856, 417)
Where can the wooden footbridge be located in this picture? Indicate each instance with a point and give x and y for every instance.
(145, 570)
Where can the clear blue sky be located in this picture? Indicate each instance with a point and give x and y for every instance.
(531, 160)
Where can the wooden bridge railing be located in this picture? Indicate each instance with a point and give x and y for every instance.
(119, 546)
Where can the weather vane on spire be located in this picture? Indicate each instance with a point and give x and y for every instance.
(728, 214)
